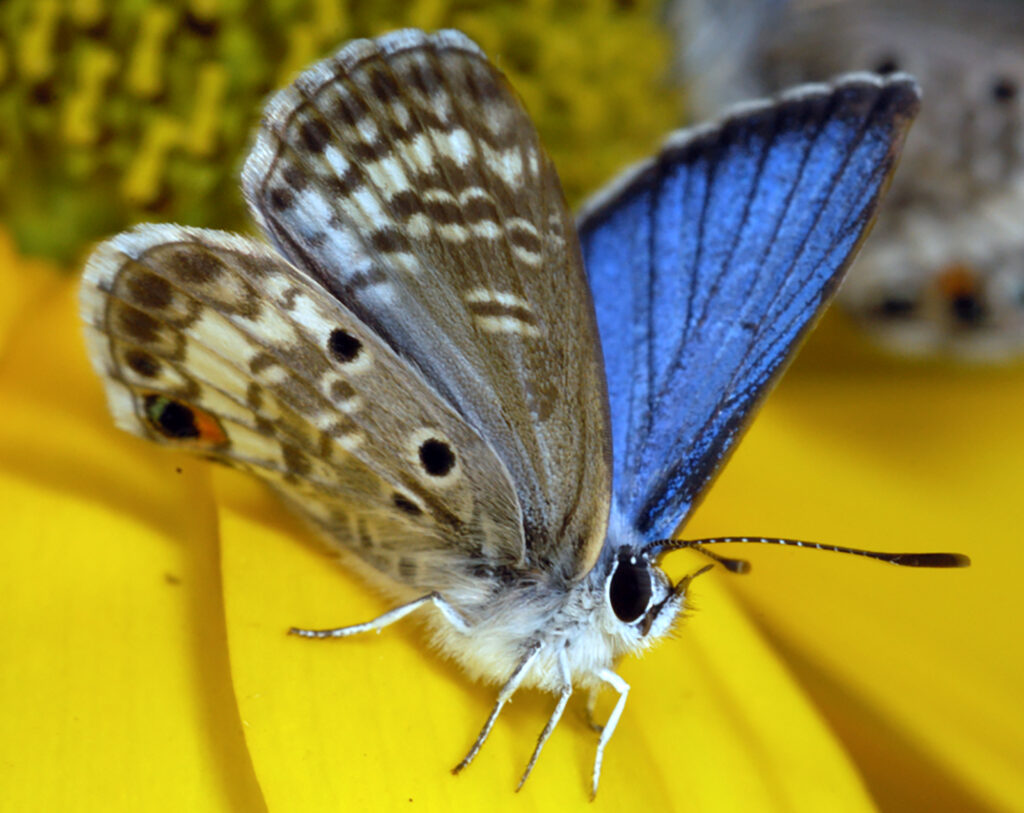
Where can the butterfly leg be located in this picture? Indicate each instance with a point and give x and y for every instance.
(591, 709)
(622, 688)
(389, 618)
(563, 697)
(504, 695)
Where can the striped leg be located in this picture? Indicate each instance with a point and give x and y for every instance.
(504, 695)
(563, 697)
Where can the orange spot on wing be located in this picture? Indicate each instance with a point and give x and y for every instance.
(182, 423)
(958, 280)
(210, 431)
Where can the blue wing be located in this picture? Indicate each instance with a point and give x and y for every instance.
(710, 262)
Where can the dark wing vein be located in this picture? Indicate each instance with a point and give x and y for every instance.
(750, 258)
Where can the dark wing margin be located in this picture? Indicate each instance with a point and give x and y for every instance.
(711, 261)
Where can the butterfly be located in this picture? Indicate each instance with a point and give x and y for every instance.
(415, 362)
(944, 272)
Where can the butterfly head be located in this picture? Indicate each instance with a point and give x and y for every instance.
(640, 594)
(645, 604)
(640, 599)
(638, 602)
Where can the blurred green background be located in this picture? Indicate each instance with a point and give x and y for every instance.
(113, 112)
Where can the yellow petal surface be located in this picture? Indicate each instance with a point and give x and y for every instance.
(115, 692)
(22, 283)
(714, 721)
(114, 688)
(921, 672)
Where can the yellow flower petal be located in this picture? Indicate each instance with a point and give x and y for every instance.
(114, 691)
(714, 721)
(22, 282)
(923, 664)
(122, 674)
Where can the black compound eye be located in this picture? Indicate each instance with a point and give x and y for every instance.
(630, 590)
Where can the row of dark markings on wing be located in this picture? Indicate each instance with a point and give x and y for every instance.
(302, 456)
(288, 391)
(298, 450)
(502, 311)
(143, 306)
(426, 179)
(680, 485)
(518, 236)
(474, 209)
(518, 242)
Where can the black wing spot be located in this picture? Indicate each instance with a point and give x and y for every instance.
(197, 265)
(967, 309)
(139, 326)
(343, 346)
(295, 177)
(403, 503)
(437, 457)
(171, 418)
(314, 134)
(149, 291)
(348, 110)
(295, 460)
(1004, 89)
(389, 240)
(896, 306)
(143, 363)
(281, 198)
(384, 86)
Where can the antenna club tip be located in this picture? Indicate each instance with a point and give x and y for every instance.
(943, 560)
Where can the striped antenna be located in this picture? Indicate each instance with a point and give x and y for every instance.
(742, 566)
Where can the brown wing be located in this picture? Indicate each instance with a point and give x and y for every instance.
(214, 343)
(405, 176)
